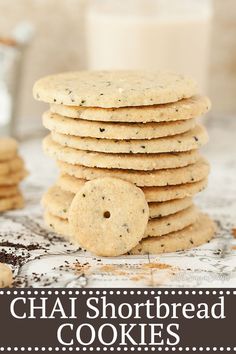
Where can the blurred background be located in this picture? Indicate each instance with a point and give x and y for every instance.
(40, 37)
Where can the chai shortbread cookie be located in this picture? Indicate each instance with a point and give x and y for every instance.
(8, 148)
(9, 191)
(6, 277)
(190, 140)
(108, 216)
(12, 202)
(174, 222)
(58, 225)
(57, 201)
(11, 166)
(14, 178)
(114, 88)
(173, 176)
(141, 162)
(152, 194)
(119, 131)
(187, 108)
(200, 232)
(161, 209)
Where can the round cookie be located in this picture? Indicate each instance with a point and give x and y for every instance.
(190, 140)
(187, 108)
(12, 178)
(12, 202)
(159, 210)
(141, 162)
(9, 191)
(8, 148)
(173, 176)
(167, 224)
(200, 232)
(58, 201)
(108, 216)
(152, 194)
(6, 277)
(114, 88)
(10, 166)
(118, 131)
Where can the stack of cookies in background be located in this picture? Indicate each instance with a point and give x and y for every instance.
(12, 172)
(137, 126)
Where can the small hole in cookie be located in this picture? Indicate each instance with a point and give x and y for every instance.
(107, 214)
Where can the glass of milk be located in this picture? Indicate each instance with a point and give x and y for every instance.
(150, 34)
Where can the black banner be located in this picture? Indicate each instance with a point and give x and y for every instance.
(118, 320)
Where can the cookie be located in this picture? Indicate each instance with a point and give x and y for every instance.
(58, 225)
(141, 162)
(200, 232)
(12, 178)
(114, 88)
(173, 176)
(174, 222)
(117, 131)
(11, 202)
(159, 210)
(58, 201)
(10, 166)
(108, 216)
(6, 277)
(152, 194)
(8, 148)
(190, 140)
(8, 191)
(184, 109)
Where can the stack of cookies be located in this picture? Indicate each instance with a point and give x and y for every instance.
(139, 127)
(12, 172)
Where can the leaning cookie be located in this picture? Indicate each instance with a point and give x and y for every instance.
(108, 216)
(6, 277)
(200, 232)
(12, 202)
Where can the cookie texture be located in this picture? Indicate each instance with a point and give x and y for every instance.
(114, 88)
(122, 161)
(152, 194)
(187, 108)
(158, 210)
(8, 148)
(12, 202)
(9, 191)
(118, 131)
(10, 166)
(178, 221)
(173, 176)
(14, 178)
(108, 216)
(6, 277)
(58, 225)
(198, 233)
(58, 201)
(191, 140)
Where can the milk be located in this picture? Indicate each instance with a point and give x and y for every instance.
(150, 34)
